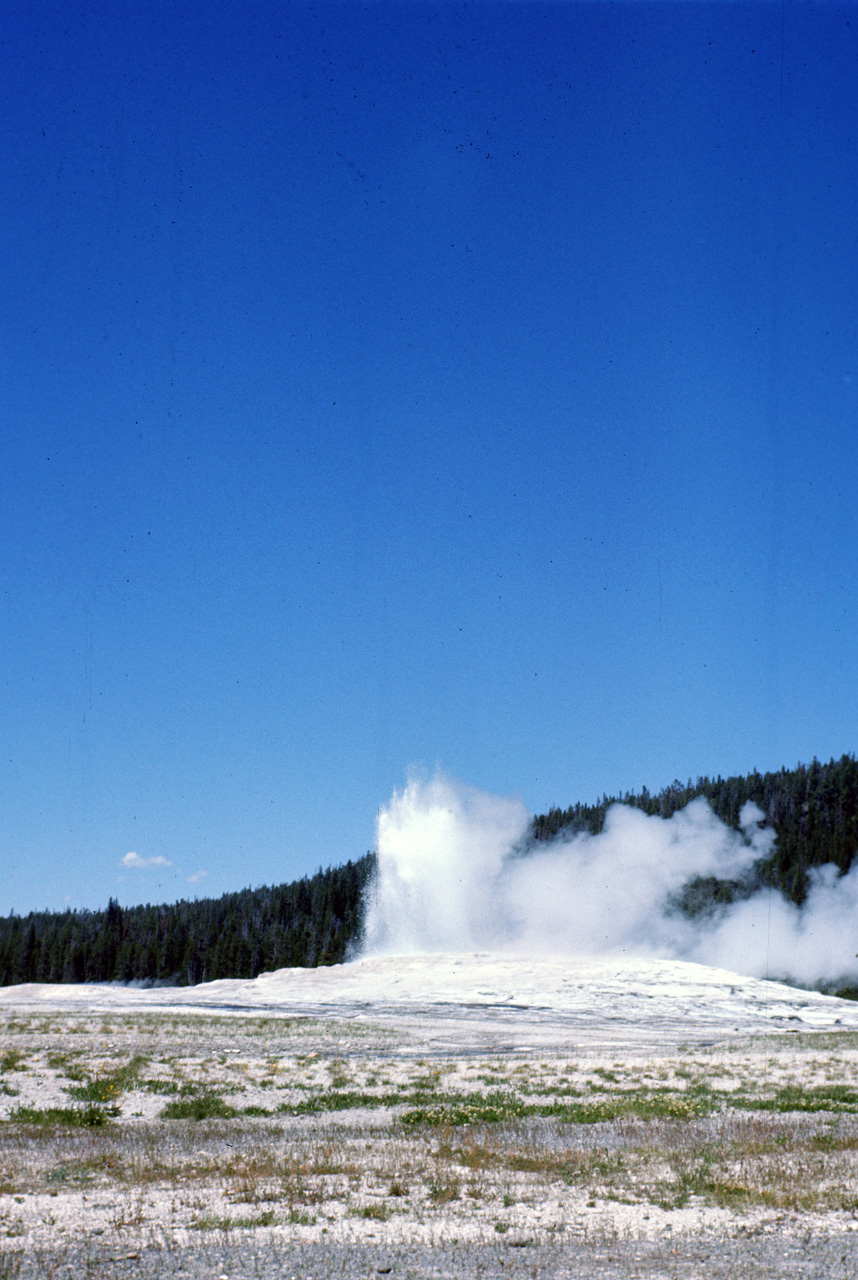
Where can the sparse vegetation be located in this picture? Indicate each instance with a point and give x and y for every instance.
(521, 1150)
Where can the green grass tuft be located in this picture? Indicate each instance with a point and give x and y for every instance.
(90, 1117)
(205, 1106)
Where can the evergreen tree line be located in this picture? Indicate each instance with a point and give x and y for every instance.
(813, 809)
(318, 920)
(311, 922)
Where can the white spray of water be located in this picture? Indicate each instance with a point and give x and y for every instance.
(452, 877)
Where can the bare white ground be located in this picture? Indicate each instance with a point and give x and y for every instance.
(509, 1001)
(428, 1103)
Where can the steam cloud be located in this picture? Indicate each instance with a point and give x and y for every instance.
(452, 877)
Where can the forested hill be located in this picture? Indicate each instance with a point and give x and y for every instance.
(240, 935)
(813, 808)
(318, 920)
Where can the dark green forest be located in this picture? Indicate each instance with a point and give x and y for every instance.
(318, 920)
(813, 809)
(311, 922)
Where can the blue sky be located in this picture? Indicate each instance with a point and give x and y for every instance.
(404, 386)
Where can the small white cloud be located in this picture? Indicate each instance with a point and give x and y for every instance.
(198, 875)
(134, 860)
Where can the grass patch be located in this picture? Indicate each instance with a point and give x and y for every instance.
(497, 1107)
(168, 1088)
(827, 1097)
(475, 1108)
(445, 1189)
(205, 1106)
(107, 1087)
(62, 1062)
(69, 1175)
(337, 1100)
(89, 1117)
(375, 1212)
(211, 1222)
(300, 1218)
(268, 1218)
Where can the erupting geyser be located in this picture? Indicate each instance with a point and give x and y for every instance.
(455, 874)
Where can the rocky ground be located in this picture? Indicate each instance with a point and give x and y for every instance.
(180, 1142)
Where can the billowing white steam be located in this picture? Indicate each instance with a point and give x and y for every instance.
(452, 877)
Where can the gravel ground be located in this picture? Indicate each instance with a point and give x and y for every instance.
(311, 1169)
(767, 1258)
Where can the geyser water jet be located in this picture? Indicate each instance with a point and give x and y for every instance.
(456, 873)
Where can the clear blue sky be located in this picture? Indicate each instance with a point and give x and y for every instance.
(403, 385)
